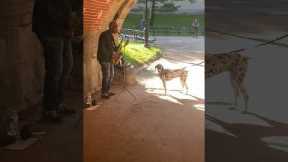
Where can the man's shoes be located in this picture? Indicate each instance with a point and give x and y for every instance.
(111, 94)
(105, 96)
(65, 111)
(52, 116)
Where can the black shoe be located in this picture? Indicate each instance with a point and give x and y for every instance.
(52, 116)
(25, 132)
(105, 96)
(65, 111)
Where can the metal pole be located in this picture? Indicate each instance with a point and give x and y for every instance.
(146, 32)
(152, 13)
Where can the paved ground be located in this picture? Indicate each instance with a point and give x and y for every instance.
(62, 143)
(144, 125)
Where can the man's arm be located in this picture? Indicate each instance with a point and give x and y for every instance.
(104, 48)
(105, 42)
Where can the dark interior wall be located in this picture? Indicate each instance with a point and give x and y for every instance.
(21, 59)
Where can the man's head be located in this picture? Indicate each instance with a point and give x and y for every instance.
(113, 27)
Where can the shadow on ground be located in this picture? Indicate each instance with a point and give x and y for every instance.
(63, 141)
(247, 144)
(141, 126)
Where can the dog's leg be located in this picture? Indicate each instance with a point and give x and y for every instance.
(241, 69)
(164, 85)
(245, 96)
(235, 87)
(187, 89)
(183, 80)
(185, 84)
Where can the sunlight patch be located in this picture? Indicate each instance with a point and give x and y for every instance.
(181, 95)
(200, 107)
(92, 108)
(173, 100)
(217, 128)
(277, 142)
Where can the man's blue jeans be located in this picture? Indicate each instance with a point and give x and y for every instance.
(58, 66)
(107, 78)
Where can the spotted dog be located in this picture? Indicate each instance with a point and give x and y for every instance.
(168, 74)
(234, 63)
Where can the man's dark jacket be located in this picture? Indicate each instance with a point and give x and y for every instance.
(106, 47)
(52, 17)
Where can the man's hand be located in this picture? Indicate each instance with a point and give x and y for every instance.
(116, 56)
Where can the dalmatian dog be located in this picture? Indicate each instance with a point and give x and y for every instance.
(169, 74)
(234, 63)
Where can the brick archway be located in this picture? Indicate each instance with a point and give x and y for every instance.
(97, 15)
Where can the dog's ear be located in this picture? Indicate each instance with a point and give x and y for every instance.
(157, 67)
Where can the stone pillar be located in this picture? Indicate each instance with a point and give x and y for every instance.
(21, 60)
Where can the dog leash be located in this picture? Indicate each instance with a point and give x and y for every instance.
(265, 43)
(246, 49)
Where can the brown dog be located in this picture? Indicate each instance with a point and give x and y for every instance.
(167, 74)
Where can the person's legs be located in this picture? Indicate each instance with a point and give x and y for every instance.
(53, 53)
(67, 69)
(105, 79)
(111, 69)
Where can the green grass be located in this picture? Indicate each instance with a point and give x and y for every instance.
(136, 54)
(166, 20)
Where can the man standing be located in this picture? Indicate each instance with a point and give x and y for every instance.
(52, 25)
(195, 27)
(142, 24)
(107, 50)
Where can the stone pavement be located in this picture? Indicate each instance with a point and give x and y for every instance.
(141, 124)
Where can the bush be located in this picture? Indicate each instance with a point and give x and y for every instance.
(136, 54)
(168, 7)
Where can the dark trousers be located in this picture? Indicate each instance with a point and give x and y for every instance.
(107, 78)
(58, 66)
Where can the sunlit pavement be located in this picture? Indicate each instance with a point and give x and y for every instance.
(195, 81)
(141, 124)
(186, 52)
